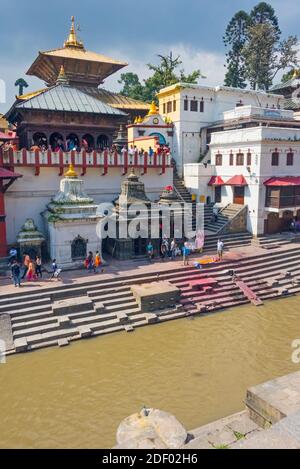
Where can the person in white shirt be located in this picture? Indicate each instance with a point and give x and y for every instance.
(220, 249)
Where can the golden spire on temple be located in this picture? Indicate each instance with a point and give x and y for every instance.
(71, 173)
(72, 40)
(296, 73)
(62, 77)
(153, 109)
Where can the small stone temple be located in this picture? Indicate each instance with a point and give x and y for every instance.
(71, 221)
(132, 204)
(31, 241)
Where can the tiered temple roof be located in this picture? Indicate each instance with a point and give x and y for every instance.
(72, 75)
(81, 65)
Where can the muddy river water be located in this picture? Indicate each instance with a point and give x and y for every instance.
(197, 369)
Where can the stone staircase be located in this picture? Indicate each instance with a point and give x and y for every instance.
(185, 196)
(61, 314)
(230, 240)
(225, 217)
(276, 240)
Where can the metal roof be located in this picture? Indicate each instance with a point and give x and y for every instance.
(114, 99)
(292, 83)
(63, 97)
(292, 104)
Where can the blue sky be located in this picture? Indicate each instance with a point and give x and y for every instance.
(130, 30)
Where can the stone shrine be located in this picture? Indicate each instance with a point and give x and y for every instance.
(30, 240)
(71, 222)
(133, 196)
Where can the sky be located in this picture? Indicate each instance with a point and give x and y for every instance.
(134, 31)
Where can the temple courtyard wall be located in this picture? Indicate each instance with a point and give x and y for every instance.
(29, 195)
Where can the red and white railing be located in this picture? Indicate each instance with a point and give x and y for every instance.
(104, 160)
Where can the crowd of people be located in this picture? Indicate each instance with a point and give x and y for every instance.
(29, 269)
(170, 249)
(93, 263)
(73, 145)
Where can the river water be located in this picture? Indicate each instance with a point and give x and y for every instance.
(198, 369)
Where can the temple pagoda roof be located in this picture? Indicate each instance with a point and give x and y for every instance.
(109, 98)
(81, 65)
(63, 97)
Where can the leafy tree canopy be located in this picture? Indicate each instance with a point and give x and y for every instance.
(164, 74)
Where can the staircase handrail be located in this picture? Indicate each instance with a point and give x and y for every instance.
(229, 220)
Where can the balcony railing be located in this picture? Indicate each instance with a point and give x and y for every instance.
(84, 160)
(283, 201)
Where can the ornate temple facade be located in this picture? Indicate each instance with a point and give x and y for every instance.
(72, 110)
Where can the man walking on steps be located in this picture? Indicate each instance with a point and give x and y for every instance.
(220, 249)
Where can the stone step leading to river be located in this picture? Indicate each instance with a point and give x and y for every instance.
(70, 312)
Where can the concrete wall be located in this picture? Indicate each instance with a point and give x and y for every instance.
(189, 123)
(261, 142)
(29, 195)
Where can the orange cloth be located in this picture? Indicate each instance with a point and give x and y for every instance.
(97, 260)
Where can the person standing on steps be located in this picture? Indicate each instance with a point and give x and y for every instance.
(16, 273)
(97, 262)
(90, 262)
(150, 251)
(173, 249)
(220, 249)
(163, 251)
(185, 253)
(26, 262)
(38, 267)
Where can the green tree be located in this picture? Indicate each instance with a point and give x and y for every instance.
(131, 86)
(164, 74)
(235, 38)
(265, 56)
(263, 13)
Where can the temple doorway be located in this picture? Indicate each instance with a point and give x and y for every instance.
(102, 142)
(79, 249)
(39, 139)
(272, 224)
(56, 142)
(238, 195)
(218, 196)
(88, 142)
(287, 217)
(72, 142)
(140, 246)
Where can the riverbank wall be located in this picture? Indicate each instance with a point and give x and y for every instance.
(270, 420)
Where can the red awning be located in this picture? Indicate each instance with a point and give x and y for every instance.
(216, 181)
(7, 174)
(285, 181)
(236, 181)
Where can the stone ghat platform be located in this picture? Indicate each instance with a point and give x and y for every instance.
(106, 305)
(271, 420)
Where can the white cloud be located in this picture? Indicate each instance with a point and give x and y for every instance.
(210, 64)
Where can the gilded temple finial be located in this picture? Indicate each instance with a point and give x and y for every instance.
(62, 77)
(296, 73)
(71, 173)
(153, 109)
(72, 40)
